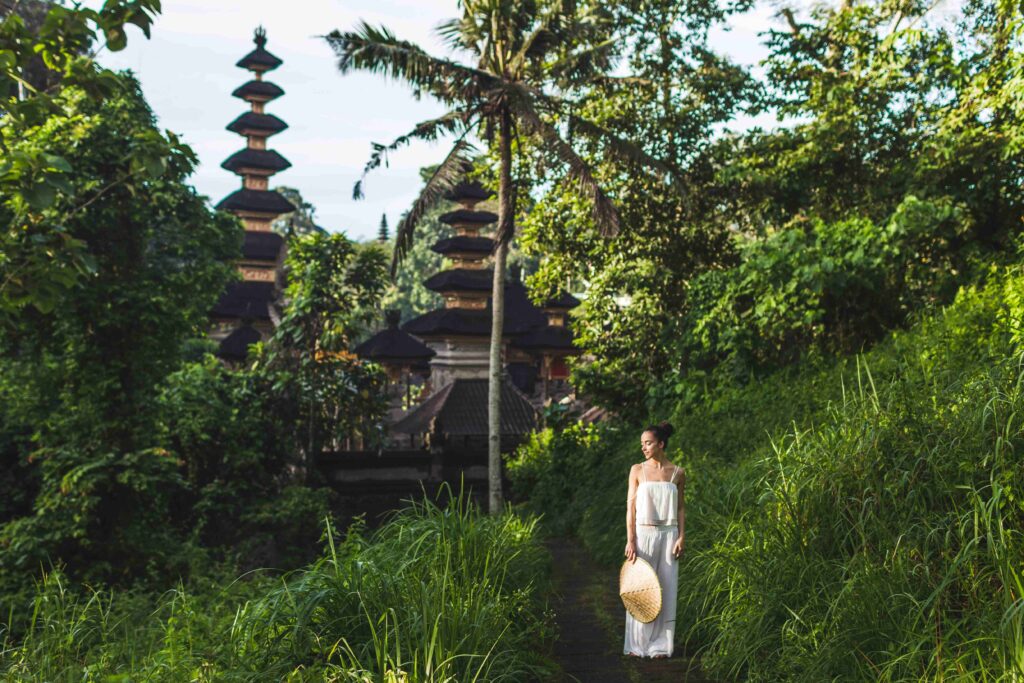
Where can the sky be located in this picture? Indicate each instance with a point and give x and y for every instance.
(187, 70)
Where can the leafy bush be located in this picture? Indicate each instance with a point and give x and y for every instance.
(835, 286)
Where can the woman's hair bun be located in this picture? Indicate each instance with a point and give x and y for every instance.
(661, 431)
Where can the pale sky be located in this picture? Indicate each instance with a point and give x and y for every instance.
(187, 70)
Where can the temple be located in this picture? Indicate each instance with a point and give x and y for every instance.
(246, 313)
(447, 350)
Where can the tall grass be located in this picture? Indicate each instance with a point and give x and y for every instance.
(436, 594)
(871, 529)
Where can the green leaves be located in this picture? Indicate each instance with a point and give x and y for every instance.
(39, 189)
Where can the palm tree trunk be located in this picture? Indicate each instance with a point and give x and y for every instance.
(505, 217)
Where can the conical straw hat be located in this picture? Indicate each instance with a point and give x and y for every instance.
(640, 590)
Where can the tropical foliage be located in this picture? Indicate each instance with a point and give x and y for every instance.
(435, 594)
(850, 519)
(519, 50)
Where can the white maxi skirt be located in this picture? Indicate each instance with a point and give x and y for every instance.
(654, 544)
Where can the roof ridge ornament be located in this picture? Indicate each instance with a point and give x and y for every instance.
(260, 36)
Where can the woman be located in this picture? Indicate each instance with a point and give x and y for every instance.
(655, 518)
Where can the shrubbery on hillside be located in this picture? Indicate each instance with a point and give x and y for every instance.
(855, 519)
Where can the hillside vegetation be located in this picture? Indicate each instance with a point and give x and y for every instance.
(848, 518)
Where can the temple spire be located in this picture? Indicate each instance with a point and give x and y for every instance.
(249, 305)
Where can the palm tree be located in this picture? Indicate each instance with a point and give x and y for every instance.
(519, 48)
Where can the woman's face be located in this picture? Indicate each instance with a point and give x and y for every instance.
(650, 445)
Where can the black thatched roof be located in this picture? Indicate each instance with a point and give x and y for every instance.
(247, 300)
(520, 313)
(259, 59)
(264, 123)
(465, 244)
(262, 246)
(520, 316)
(461, 279)
(564, 300)
(394, 345)
(256, 158)
(236, 345)
(547, 338)
(460, 409)
(450, 321)
(262, 201)
(258, 91)
(468, 190)
(466, 216)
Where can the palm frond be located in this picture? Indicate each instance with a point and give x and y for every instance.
(443, 179)
(606, 217)
(618, 147)
(430, 130)
(623, 149)
(377, 50)
(460, 34)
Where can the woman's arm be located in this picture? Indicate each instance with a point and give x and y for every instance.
(634, 480)
(681, 514)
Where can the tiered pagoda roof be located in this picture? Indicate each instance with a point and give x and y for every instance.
(258, 91)
(464, 244)
(465, 216)
(461, 279)
(261, 246)
(520, 317)
(468, 192)
(248, 304)
(259, 60)
(263, 159)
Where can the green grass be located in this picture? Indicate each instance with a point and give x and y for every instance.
(436, 594)
(854, 519)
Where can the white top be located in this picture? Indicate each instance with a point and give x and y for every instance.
(657, 502)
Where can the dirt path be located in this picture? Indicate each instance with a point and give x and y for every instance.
(591, 620)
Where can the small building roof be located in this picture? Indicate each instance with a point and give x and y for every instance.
(563, 300)
(520, 313)
(262, 123)
(261, 201)
(460, 408)
(247, 300)
(266, 159)
(236, 345)
(259, 59)
(261, 246)
(467, 216)
(547, 338)
(468, 189)
(258, 91)
(393, 345)
(464, 244)
(461, 279)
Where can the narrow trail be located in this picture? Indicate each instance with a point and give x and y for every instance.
(591, 620)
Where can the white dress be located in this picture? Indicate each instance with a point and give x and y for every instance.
(657, 503)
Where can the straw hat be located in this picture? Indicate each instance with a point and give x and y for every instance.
(640, 590)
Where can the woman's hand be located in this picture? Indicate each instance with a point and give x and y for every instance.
(677, 549)
(631, 551)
